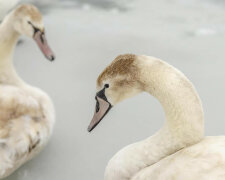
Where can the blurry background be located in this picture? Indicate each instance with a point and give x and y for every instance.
(86, 36)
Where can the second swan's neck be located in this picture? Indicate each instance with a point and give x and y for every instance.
(184, 124)
(8, 41)
(180, 101)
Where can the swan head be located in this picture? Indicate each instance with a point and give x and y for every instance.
(27, 20)
(117, 82)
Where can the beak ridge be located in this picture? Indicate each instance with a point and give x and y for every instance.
(42, 43)
(103, 109)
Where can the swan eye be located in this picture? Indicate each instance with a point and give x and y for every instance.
(29, 22)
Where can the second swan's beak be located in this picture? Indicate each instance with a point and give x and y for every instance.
(101, 109)
(41, 41)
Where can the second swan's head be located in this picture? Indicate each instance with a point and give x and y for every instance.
(27, 20)
(117, 82)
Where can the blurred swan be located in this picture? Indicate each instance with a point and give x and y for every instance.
(179, 149)
(26, 112)
(5, 6)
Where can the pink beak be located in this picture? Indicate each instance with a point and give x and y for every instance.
(101, 110)
(41, 41)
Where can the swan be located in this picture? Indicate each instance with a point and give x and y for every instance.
(5, 6)
(26, 112)
(179, 150)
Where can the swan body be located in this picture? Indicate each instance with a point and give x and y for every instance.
(203, 161)
(179, 149)
(26, 112)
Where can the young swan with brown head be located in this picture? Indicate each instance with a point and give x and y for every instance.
(178, 150)
(26, 113)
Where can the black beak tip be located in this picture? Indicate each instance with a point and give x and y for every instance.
(52, 58)
(89, 129)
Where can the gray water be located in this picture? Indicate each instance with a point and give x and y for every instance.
(46, 5)
(86, 36)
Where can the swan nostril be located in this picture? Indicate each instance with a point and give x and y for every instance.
(97, 107)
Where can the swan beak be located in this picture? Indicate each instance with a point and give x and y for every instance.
(102, 108)
(41, 41)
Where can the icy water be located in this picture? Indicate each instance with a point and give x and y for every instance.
(86, 36)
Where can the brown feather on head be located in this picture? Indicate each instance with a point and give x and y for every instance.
(117, 82)
(29, 10)
(27, 20)
(122, 65)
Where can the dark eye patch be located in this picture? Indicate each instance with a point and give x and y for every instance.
(35, 28)
(101, 94)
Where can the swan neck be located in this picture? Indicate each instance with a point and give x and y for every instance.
(181, 104)
(8, 40)
(183, 127)
(184, 118)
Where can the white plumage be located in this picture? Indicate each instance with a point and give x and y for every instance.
(26, 112)
(179, 150)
